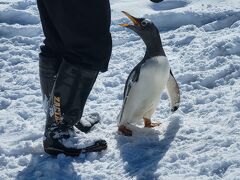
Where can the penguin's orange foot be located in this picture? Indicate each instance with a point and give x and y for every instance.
(149, 124)
(124, 130)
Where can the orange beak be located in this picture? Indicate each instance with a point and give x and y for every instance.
(133, 19)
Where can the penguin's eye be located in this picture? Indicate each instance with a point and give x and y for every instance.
(145, 22)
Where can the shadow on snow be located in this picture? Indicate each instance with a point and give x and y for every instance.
(48, 167)
(142, 155)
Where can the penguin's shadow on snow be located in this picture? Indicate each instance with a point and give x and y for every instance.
(145, 150)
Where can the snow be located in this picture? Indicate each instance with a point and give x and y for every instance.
(199, 141)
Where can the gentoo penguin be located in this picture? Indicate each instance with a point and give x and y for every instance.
(147, 80)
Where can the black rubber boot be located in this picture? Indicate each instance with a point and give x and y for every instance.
(90, 121)
(48, 69)
(67, 100)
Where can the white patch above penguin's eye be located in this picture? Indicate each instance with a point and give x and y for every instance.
(145, 22)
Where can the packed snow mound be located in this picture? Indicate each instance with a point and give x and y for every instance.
(199, 141)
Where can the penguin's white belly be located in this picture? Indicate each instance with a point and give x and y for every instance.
(144, 95)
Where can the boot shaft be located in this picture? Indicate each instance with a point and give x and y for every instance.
(48, 69)
(70, 92)
(65, 88)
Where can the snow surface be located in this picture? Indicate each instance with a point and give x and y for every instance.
(200, 141)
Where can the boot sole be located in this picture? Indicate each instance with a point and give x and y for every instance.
(97, 147)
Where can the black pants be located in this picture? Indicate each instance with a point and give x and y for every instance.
(78, 31)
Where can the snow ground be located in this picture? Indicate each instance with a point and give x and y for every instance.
(200, 141)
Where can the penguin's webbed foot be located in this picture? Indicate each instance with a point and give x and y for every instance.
(149, 124)
(124, 130)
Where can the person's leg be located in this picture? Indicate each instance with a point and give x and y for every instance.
(83, 27)
(53, 44)
(50, 57)
(84, 34)
(76, 74)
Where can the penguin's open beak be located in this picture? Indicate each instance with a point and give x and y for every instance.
(136, 21)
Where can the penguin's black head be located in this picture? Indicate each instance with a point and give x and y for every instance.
(143, 27)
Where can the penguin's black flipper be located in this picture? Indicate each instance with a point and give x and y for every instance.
(174, 92)
(132, 78)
